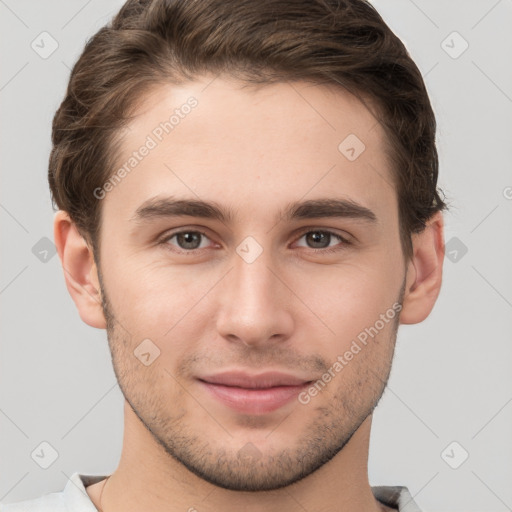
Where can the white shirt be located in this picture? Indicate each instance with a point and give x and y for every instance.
(74, 498)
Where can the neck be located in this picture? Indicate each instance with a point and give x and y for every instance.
(147, 478)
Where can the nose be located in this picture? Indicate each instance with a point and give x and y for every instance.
(255, 304)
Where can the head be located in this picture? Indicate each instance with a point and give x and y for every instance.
(307, 129)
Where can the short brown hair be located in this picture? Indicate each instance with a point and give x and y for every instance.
(344, 43)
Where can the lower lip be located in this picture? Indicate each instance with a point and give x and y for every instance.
(254, 401)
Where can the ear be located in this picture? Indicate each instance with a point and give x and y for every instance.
(80, 271)
(424, 272)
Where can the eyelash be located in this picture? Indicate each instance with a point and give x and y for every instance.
(327, 250)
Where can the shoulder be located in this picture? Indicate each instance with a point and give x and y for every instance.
(51, 501)
(397, 497)
(73, 498)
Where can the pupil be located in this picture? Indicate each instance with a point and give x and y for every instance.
(188, 238)
(317, 236)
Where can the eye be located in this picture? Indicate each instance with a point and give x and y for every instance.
(321, 239)
(187, 241)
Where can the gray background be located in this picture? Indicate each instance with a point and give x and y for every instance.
(451, 379)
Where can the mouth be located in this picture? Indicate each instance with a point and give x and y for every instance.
(253, 394)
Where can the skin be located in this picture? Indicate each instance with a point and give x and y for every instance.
(293, 310)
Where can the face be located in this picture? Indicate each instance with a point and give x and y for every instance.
(254, 337)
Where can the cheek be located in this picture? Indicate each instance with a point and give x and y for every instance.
(149, 292)
(350, 299)
(361, 307)
(164, 304)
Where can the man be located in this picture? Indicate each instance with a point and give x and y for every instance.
(248, 205)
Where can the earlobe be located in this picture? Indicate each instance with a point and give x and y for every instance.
(425, 272)
(80, 271)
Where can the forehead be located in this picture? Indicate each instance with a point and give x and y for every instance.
(297, 109)
(220, 139)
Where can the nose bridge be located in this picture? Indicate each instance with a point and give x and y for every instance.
(252, 308)
(252, 281)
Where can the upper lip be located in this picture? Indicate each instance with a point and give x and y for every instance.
(254, 381)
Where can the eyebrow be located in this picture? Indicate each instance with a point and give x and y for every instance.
(165, 207)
